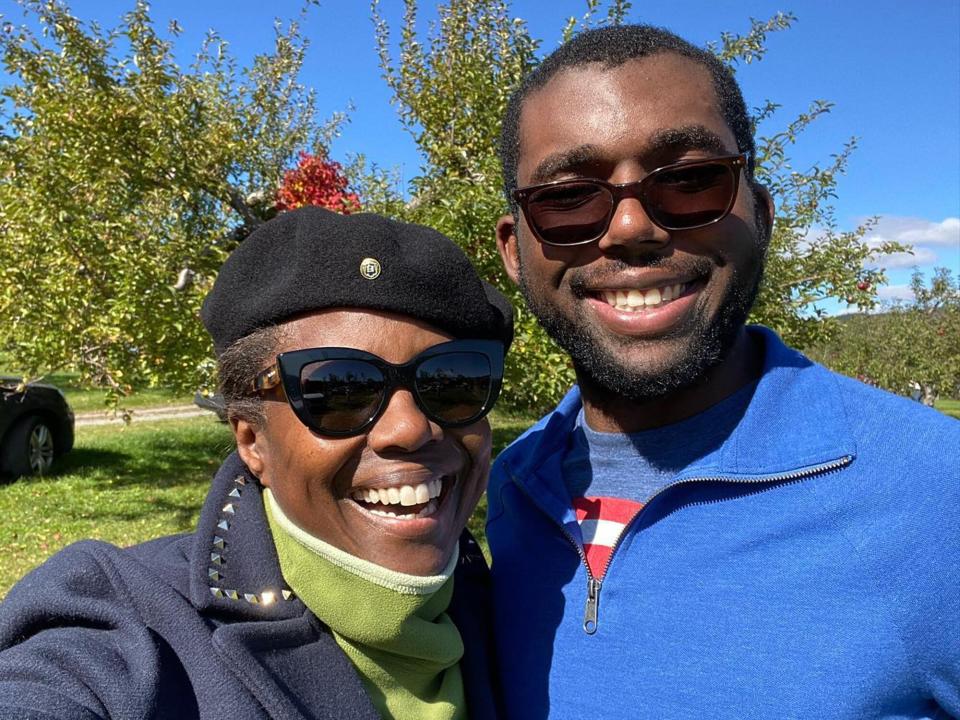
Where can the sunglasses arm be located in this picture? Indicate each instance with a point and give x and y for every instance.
(266, 380)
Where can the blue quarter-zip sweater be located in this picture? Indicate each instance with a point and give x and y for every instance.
(806, 567)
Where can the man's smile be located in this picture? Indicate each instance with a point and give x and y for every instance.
(639, 299)
(642, 301)
(655, 319)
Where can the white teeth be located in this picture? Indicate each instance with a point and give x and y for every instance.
(405, 495)
(422, 493)
(633, 300)
(427, 511)
(408, 496)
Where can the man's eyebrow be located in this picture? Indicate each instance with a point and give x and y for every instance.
(687, 137)
(565, 160)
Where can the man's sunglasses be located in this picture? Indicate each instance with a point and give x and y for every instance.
(681, 196)
(341, 392)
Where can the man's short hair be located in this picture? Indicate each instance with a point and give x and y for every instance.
(612, 47)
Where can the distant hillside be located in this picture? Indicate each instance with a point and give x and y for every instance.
(909, 351)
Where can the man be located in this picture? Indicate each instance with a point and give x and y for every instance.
(709, 525)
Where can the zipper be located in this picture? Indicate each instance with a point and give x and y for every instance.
(591, 614)
(593, 584)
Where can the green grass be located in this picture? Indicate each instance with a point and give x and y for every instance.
(87, 400)
(120, 484)
(83, 398)
(949, 407)
(129, 484)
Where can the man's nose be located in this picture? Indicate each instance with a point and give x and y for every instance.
(402, 427)
(630, 228)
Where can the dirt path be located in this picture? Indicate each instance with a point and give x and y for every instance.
(147, 414)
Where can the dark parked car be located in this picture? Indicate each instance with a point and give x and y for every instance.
(36, 426)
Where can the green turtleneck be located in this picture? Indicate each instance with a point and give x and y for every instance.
(392, 626)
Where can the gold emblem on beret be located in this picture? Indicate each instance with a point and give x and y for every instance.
(370, 268)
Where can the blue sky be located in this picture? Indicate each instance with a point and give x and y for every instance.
(891, 68)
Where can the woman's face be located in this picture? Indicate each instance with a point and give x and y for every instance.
(324, 484)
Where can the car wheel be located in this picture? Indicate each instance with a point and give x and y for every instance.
(29, 448)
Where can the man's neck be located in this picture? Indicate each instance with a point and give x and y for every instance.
(609, 412)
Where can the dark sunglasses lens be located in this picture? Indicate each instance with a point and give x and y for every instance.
(687, 197)
(569, 213)
(454, 387)
(341, 395)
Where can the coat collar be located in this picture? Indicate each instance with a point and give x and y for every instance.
(264, 633)
(268, 636)
(234, 570)
(794, 421)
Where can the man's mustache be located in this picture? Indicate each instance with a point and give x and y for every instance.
(612, 270)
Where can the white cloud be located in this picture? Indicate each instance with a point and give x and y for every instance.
(890, 293)
(942, 233)
(813, 233)
(932, 242)
(920, 256)
(917, 231)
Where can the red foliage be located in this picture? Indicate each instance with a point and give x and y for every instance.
(316, 181)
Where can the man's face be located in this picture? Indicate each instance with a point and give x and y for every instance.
(323, 484)
(643, 311)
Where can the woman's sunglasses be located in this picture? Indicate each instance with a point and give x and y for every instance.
(341, 392)
(681, 196)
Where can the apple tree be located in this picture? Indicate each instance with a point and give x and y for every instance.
(912, 348)
(125, 179)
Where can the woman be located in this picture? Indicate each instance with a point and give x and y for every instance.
(330, 575)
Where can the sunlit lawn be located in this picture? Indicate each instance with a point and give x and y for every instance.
(120, 484)
(950, 407)
(83, 398)
(128, 484)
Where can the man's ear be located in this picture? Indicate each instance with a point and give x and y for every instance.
(507, 245)
(249, 446)
(762, 195)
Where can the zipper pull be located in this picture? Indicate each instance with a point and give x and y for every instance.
(593, 604)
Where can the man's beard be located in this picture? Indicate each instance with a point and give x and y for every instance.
(707, 342)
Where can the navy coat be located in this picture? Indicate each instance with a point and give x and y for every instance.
(199, 625)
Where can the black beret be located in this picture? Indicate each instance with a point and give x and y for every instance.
(311, 258)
